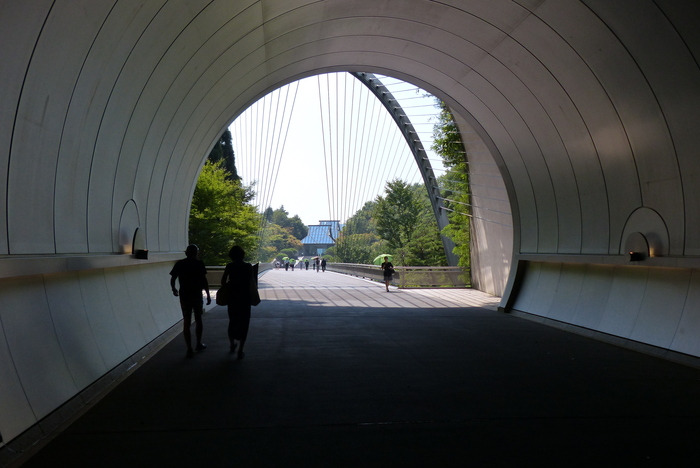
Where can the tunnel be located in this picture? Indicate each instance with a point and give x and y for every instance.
(586, 111)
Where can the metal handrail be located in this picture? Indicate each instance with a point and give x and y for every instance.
(408, 276)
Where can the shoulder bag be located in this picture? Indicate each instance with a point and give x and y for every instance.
(254, 295)
(222, 295)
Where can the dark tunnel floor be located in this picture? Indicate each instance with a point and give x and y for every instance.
(339, 373)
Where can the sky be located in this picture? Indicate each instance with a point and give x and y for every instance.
(323, 146)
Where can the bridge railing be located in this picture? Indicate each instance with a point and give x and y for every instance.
(214, 273)
(408, 277)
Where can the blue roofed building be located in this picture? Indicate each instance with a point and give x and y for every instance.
(320, 237)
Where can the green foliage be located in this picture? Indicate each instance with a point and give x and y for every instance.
(280, 216)
(268, 214)
(425, 247)
(356, 248)
(291, 253)
(358, 241)
(455, 183)
(397, 214)
(221, 215)
(223, 151)
(294, 225)
(404, 218)
(280, 232)
(361, 222)
(266, 253)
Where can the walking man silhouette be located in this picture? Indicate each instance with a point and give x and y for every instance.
(192, 275)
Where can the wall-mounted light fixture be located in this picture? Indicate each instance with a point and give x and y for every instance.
(637, 247)
(636, 256)
(137, 245)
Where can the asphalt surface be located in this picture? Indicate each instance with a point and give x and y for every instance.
(340, 373)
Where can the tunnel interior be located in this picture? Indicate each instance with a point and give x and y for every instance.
(108, 108)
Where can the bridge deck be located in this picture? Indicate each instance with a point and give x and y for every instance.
(339, 373)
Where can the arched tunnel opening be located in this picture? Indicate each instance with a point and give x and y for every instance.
(328, 145)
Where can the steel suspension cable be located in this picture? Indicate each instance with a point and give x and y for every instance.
(362, 151)
(270, 132)
(323, 136)
(355, 155)
(286, 134)
(347, 134)
(370, 152)
(378, 178)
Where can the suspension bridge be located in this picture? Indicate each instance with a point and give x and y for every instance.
(368, 130)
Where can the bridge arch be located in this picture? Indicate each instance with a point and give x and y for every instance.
(586, 107)
(415, 145)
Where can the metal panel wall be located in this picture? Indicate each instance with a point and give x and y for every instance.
(62, 332)
(654, 306)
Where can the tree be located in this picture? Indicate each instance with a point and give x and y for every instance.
(279, 238)
(448, 144)
(268, 214)
(358, 241)
(221, 215)
(294, 225)
(280, 232)
(297, 227)
(361, 222)
(397, 214)
(425, 247)
(405, 219)
(223, 151)
(291, 253)
(280, 216)
(356, 248)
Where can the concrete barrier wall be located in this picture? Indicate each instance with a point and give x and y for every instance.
(652, 305)
(59, 333)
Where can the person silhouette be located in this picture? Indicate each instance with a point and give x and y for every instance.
(192, 276)
(388, 268)
(237, 277)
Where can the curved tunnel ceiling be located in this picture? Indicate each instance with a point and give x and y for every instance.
(588, 106)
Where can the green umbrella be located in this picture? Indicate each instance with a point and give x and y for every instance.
(285, 258)
(380, 259)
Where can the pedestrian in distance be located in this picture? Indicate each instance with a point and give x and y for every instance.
(323, 265)
(237, 277)
(388, 269)
(307, 264)
(192, 277)
(318, 265)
